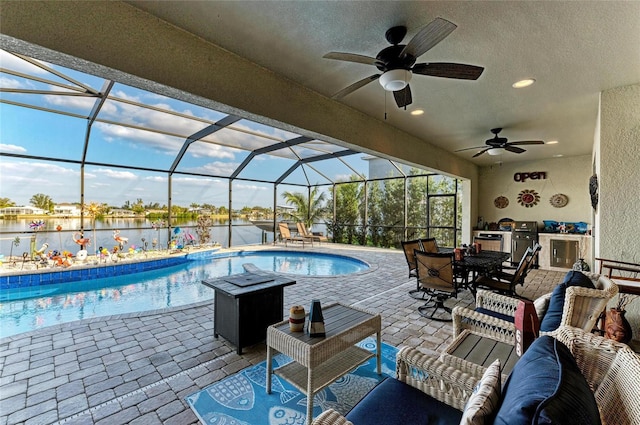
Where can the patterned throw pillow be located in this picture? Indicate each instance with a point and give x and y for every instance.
(485, 398)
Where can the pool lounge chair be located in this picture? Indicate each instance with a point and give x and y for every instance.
(302, 231)
(285, 235)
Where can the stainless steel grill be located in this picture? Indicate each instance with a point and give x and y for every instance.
(523, 236)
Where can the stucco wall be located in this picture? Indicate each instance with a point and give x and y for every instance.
(569, 176)
(619, 182)
(619, 179)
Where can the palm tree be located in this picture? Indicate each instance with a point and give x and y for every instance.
(93, 209)
(307, 210)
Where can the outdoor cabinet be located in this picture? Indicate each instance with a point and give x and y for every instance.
(564, 253)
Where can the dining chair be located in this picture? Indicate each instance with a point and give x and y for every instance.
(488, 244)
(505, 282)
(429, 244)
(409, 247)
(436, 278)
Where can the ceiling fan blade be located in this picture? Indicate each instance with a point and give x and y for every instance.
(514, 149)
(355, 86)
(351, 57)
(430, 35)
(468, 149)
(481, 152)
(403, 97)
(527, 142)
(459, 71)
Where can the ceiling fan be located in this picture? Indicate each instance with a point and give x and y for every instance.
(493, 146)
(398, 61)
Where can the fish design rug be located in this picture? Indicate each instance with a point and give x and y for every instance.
(241, 399)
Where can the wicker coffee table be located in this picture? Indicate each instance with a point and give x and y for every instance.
(319, 361)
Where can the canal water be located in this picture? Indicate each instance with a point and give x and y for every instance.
(139, 234)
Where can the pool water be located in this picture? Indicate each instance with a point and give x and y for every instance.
(25, 309)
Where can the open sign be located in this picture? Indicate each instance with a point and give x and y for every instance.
(534, 175)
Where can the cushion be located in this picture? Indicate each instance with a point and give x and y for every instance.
(541, 304)
(485, 399)
(553, 316)
(546, 387)
(393, 402)
(495, 314)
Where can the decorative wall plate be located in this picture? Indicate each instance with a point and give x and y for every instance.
(559, 200)
(528, 198)
(501, 202)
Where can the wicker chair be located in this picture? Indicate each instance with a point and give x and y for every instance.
(582, 308)
(610, 368)
(435, 377)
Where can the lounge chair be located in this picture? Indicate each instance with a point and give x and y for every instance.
(285, 235)
(302, 231)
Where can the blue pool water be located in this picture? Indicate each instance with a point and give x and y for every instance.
(29, 308)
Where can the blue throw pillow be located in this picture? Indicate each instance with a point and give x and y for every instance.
(553, 316)
(547, 387)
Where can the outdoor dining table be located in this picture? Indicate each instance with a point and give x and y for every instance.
(484, 263)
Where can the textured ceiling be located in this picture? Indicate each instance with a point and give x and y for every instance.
(574, 50)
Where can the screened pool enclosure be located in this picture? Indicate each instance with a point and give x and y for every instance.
(98, 157)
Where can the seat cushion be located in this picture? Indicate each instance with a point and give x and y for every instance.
(495, 314)
(546, 387)
(393, 402)
(553, 316)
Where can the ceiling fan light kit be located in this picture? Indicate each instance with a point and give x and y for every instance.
(523, 83)
(395, 79)
(398, 61)
(494, 151)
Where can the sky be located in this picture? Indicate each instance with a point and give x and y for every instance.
(45, 134)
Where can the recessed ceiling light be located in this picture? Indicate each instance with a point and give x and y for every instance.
(417, 112)
(552, 142)
(557, 156)
(523, 83)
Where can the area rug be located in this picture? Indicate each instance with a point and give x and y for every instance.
(241, 399)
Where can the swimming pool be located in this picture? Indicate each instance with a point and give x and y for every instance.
(28, 308)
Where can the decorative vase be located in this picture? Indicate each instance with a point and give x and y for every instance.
(617, 326)
(296, 318)
(316, 320)
(581, 265)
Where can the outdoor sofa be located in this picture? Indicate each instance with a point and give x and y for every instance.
(572, 377)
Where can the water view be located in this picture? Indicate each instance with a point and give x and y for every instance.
(134, 233)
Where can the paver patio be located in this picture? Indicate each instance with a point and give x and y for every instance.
(137, 368)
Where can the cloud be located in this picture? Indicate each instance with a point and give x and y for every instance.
(13, 62)
(194, 181)
(12, 148)
(217, 168)
(115, 175)
(251, 187)
(12, 83)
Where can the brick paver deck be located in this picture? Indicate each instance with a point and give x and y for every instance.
(137, 368)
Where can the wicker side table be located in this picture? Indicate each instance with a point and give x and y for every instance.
(472, 348)
(319, 361)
